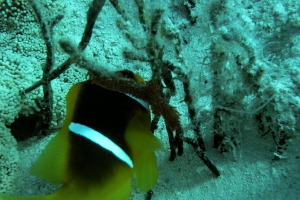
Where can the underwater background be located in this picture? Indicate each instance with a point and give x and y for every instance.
(240, 58)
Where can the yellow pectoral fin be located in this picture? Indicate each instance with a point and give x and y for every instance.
(139, 136)
(142, 140)
(51, 165)
(146, 173)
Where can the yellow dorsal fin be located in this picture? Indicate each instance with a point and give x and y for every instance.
(51, 165)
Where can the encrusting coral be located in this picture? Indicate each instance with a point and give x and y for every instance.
(9, 158)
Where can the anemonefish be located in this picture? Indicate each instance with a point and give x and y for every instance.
(104, 142)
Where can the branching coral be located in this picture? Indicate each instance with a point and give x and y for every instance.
(152, 51)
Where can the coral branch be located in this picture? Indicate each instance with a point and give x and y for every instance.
(202, 156)
(150, 92)
(46, 105)
(92, 14)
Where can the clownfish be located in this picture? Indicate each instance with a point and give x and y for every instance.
(104, 142)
